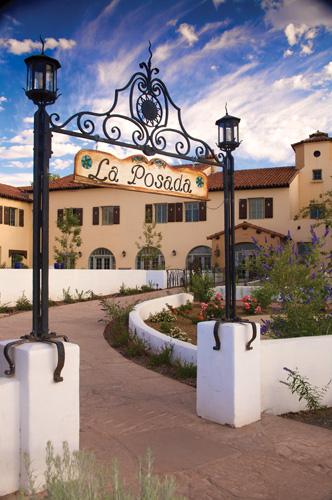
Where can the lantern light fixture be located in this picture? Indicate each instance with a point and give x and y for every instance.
(41, 85)
(228, 132)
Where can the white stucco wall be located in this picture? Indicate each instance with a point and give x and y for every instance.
(313, 358)
(183, 351)
(13, 282)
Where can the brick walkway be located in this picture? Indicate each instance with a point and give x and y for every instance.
(126, 409)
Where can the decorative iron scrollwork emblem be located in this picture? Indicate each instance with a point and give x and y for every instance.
(145, 126)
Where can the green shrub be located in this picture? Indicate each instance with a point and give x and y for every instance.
(300, 385)
(136, 347)
(23, 303)
(78, 476)
(201, 286)
(161, 358)
(67, 296)
(162, 316)
(176, 333)
(263, 295)
(115, 311)
(5, 308)
(185, 307)
(185, 370)
(51, 303)
(165, 327)
(82, 296)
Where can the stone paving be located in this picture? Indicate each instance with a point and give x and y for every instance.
(126, 409)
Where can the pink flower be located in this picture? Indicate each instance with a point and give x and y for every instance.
(218, 296)
(204, 306)
(245, 298)
(247, 306)
(258, 310)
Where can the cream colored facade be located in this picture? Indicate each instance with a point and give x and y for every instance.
(178, 238)
(15, 238)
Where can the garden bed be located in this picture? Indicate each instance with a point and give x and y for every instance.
(321, 418)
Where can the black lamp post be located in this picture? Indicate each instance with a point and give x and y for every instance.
(41, 88)
(228, 140)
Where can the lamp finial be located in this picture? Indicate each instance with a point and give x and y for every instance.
(43, 44)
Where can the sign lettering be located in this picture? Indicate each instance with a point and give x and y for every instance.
(140, 174)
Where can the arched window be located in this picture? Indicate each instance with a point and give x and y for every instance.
(244, 254)
(199, 258)
(150, 258)
(101, 258)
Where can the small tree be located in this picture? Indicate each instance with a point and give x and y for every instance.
(149, 242)
(70, 240)
(323, 208)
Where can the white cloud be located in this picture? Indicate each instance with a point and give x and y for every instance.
(214, 67)
(172, 22)
(294, 33)
(299, 19)
(2, 99)
(229, 38)
(28, 119)
(297, 82)
(288, 53)
(21, 179)
(188, 33)
(216, 3)
(60, 164)
(19, 47)
(328, 69)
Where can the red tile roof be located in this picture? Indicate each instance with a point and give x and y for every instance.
(257, 178)
(62, 183)
(245, 225)
(13, 193)
(315, 137)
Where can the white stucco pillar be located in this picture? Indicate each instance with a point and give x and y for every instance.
(48, 411)
(228, 380)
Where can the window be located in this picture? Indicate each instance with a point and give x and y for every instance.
(199, 258)
(109, 215)
(316, 211)
(316, 153)
(317, 175)
(101, 258)
(150, 258)
(161, 213)
(192, 212)
(256, 208)
(12, 216)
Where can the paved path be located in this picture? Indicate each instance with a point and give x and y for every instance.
(126, 408)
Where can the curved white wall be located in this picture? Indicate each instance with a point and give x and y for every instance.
(183, 351)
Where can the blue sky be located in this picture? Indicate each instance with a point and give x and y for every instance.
(271, 60)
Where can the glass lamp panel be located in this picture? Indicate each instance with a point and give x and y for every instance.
(38, 80)
(49, 78)
(228, 134)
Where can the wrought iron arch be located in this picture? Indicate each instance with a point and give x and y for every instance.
(149, 108)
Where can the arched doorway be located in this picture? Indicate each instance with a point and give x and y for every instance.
(244, 253)
(150, 258)
(101, 258)
(199, 258)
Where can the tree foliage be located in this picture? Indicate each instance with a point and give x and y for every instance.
(324, 206)
(149, 242)
(67, 252)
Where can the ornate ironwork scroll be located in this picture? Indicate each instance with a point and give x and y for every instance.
(153, 123)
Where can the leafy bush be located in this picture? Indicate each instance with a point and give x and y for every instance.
(165, 315)
(125, 291)
(161, 358)
(115, 311)
(23, 303)
(185, 307)
(176, 333)
(214, 309)
(251, 305)
(82, 296)
(185, 370)
(67, 296)
(78, 475)
(302, 284)
(5, 308)
(201, 287)
(263, 296)
(301, 386)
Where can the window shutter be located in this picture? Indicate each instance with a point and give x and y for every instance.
(178, 212)
(6, 215)
(79, 213)
(95, 216)
(60, 215)
(202, 210)
(116, 215)
(171, 212)
(1, 210)
(148, 214)
(269, 208)
(21, 218)
(242, 209)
